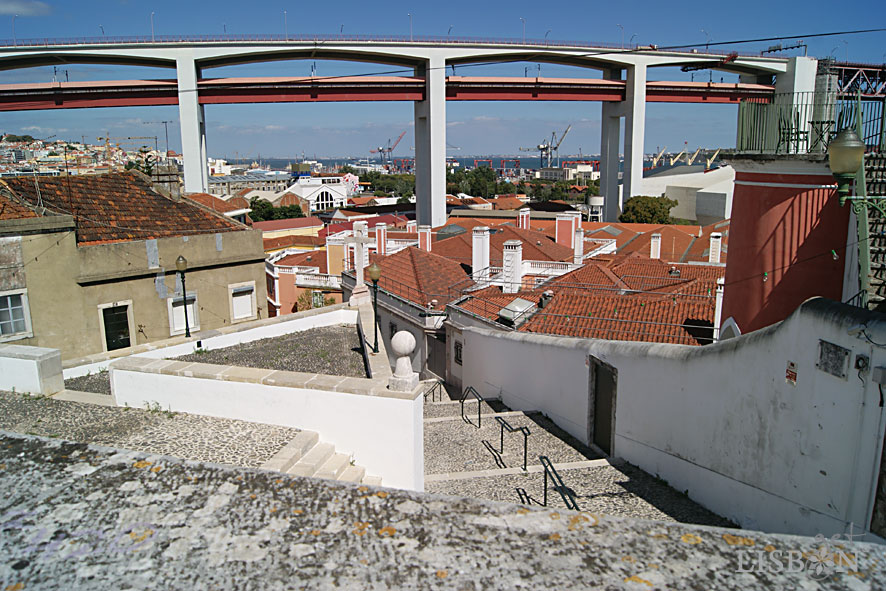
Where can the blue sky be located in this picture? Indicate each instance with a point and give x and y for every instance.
(351, 129)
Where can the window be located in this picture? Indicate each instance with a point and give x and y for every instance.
(324, 200)
(15, 317)
(176, 307)
(317, 299)
(116, 325)
(242, 301)
(458, 348)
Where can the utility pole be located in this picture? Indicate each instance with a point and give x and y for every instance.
(166, 127)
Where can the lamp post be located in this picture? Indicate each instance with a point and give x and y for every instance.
(409, 14)
(152, 27)
(14, 40)
(374, 272)
(845, 157)
(524, 29)
(622, 35)
(181, 265)
(285, 26)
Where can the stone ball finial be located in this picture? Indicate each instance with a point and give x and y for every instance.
(403, 343)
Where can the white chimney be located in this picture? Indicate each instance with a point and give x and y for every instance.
(480, 253)
(655, 246)
(714, 248)
(523, 218)
(718, 307)
(411, 226)
(381, 239)
(424, 238)
(579, 247)
(512, 266)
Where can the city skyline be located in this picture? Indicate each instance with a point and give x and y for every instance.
(352, 129)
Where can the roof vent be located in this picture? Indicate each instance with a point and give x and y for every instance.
(674, 272)
(545, 298)
(514, 313)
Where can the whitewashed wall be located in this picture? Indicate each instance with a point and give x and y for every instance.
(382, 431)
(33, 370)
(720, 422)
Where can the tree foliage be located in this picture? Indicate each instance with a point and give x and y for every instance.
(263, 211)
(17, 138)
(644, 209)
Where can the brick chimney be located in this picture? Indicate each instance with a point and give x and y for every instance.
(523, 218)
(424, 238)
(655, 246)
(480, 253)
(512, 266)
(411, 226)
(714, 248)
(578, 252)
(381, 239)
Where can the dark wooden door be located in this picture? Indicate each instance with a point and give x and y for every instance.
(603, 391)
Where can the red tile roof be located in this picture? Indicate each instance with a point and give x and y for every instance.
(288, 224)
(13, 209)
(286, 241)
(393, 221)
(118, 207)
(507, 203)
(314, 258)
(536, 246)
(214, 203)
(622, 297)
(420, 276)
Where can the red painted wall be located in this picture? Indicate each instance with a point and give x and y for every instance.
(785, 223)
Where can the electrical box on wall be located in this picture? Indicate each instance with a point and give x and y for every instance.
(879, 375)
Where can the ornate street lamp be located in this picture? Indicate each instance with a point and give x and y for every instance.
(181, 265)
(374, 272)
(845, 157)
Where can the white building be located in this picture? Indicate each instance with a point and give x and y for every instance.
(323, 192)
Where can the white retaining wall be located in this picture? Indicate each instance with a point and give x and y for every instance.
(33, 370)
(382, 430)
(721, 422)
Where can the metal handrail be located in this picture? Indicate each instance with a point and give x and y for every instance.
(565, 493)
(524, 430)
(472, 391)
(438, 386)
(859, 300)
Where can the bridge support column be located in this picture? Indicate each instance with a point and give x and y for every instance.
(193, 127)
(430, 145)
(610, 144)
(635, 131)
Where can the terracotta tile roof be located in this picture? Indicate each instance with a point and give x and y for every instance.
(622, 297)
(420, 276)
(507, 203)
(288, 224)
(314, 258)
(360, 201)
(12, 209)
(214, 203)
(281, 242)
(699, 250)
(536, 246)
(119, 207)
(393, 221)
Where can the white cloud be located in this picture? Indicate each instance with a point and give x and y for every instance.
(454, 123)
(485, 118)
(273, 127)
(24, 7)
(35, 128)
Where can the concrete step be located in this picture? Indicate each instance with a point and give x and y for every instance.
(310, 463)
(333, 467)
(353, 474)
(292, 451)
(372, 480)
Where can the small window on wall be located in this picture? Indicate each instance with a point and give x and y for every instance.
(394, 329)
(242, 301)
(176, 307)
(458, 352)
(15, 318)
(317, 299)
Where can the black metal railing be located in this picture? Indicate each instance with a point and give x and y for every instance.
(859, 300)
(470, 391)
(566, 493)
(524, 430)
(439, 388)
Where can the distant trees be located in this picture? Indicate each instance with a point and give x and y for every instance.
(263, 211)
(644, 209)
(17, 138)
(398, 185)
(477, 182)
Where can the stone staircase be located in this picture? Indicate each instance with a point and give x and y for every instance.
(307, 456)
(875, 177)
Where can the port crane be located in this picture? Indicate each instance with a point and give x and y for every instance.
(547, 149)
(125, 140)
(384, 152)
(658, 158)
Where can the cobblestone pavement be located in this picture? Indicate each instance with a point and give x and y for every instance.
(455, 447)
(331, 350)
(192, 437)
(97, 383)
